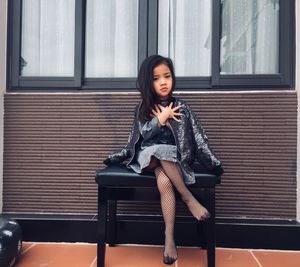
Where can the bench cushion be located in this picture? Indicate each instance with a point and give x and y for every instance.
(120, 176)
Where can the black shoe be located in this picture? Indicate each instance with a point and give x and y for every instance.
(169, 260)
(205, 217)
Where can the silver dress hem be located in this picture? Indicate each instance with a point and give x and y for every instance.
(160, 151)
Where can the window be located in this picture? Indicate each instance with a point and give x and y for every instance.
(185, 36)
(47, 43)
(116, 22)
(99, 44)
(250, 37)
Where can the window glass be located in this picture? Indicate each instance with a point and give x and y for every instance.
(184, 34)
(47, 44)
(250, 37)
(111, 38)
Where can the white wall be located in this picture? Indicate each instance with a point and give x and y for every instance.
(298, 91)
(3, 31)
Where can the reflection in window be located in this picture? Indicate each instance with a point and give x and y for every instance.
(184, 34)
(111, 38)
(48, 30)
(250, 37)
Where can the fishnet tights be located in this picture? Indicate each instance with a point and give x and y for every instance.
(173, 172)
(168, 205)
(168, 176)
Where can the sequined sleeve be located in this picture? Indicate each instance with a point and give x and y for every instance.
(203, 151)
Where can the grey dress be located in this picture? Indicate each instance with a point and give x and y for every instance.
(158, 142)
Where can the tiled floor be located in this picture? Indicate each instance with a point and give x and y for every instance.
(84, 255)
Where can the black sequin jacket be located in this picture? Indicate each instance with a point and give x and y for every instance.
(191, 140)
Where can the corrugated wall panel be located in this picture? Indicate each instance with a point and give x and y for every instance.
(55, 142)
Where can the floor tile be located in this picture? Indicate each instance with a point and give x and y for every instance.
(195, 257)
(58, 255)
(134, 256)
(94, 263)
(84, 255)
(235, 258)
(277, 258)
(26, 246)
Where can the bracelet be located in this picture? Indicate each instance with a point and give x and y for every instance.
(162, 124)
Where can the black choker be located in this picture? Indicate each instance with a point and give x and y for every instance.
(166, 102)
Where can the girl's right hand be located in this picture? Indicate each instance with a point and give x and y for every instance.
(165, 113)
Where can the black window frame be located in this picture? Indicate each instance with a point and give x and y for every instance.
(286, 76)
(148, 42)
(19, 82)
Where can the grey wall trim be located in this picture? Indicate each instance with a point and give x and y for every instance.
(298, 91)
(3, 41)
(234, 233)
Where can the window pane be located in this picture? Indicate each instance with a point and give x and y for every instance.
(48, 30)
(250, 37)
(184, 34)
(111, 38)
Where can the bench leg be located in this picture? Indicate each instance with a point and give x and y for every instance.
(210, 229)
(112, 222)
(101, 227)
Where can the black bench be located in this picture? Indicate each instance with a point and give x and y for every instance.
(119, 183)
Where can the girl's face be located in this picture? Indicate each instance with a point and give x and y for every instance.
(162, 81)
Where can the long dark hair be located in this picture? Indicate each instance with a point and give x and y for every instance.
(145, 83)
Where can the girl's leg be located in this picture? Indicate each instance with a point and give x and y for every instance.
(168, 206)
(173, 171)
(154, 163)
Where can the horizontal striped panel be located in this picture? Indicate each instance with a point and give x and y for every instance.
(55, 142)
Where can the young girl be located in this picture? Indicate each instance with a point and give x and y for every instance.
(166, 138)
